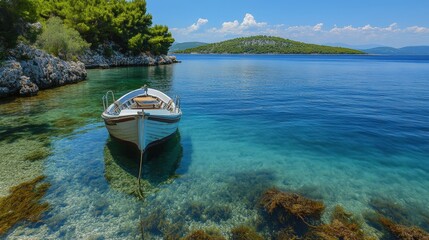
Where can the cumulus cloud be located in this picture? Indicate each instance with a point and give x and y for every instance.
(318, 27)
(367, 28)
(194, 27)
(417, 29)
(198, 24)
(247, 25)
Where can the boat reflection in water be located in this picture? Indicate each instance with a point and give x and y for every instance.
(159, 164)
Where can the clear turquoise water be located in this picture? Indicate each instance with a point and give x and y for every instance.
(347, 130)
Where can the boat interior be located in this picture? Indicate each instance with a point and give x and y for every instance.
(136, 102)
(144, 102)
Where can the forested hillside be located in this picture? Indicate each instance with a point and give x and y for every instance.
(120, 24)
(266, 45)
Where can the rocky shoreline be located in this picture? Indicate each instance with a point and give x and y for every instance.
(98, 59)
(28, 70)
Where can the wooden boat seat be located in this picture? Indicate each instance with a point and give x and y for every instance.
(146, 102)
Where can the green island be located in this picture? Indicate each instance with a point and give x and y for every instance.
(267, 45)
(67, 28)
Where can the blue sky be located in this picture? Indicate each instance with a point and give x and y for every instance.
(392, 23)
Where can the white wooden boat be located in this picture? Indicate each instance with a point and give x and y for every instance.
(143, 117)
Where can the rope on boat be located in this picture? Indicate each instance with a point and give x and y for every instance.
(139, 190)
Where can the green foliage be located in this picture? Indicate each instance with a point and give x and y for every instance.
(266, 44)
(60, 40)
(99, 21)
(160, 40)
(14, 18)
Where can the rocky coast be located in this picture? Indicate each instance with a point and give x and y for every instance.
(27, 70)
(102, 58)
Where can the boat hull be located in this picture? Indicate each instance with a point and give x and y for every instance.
(128, 129)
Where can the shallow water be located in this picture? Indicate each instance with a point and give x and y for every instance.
(348, 130)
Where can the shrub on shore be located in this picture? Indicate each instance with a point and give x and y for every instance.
(60, 40)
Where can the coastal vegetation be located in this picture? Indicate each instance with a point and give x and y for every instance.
(15, 21)
(267, 45)
(61, 40)
(75, 25)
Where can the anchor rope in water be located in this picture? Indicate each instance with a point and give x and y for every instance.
(139, 190)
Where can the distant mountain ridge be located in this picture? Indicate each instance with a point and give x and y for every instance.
(411, 50)
(267, 45)
(185, 45)
(357, 46)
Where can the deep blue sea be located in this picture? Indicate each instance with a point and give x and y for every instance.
(346, 130)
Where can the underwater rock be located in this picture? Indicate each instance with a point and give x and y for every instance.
(245, 233)
(23, 203)
(404, 232)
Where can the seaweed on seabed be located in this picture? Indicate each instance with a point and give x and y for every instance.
(218, 213)
(286, 234)
(389, 209)
(23, 203)
(404, 232)
(245, 233)
(286, 204)
(157, 223)
(342, 226)
(203, 235)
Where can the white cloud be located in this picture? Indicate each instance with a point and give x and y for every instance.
(198, 24)
(318, 27)
(365, 29)
(247, 25)
(416, 29)
(249, 21)
(194, 27)
(391, 35)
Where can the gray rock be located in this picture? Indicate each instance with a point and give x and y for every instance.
(28, 88)
(97, 59)
(29, 69)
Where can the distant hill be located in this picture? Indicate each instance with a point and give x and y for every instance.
(359, 47)
(412, 50)
(185, 45)
(267, 45)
